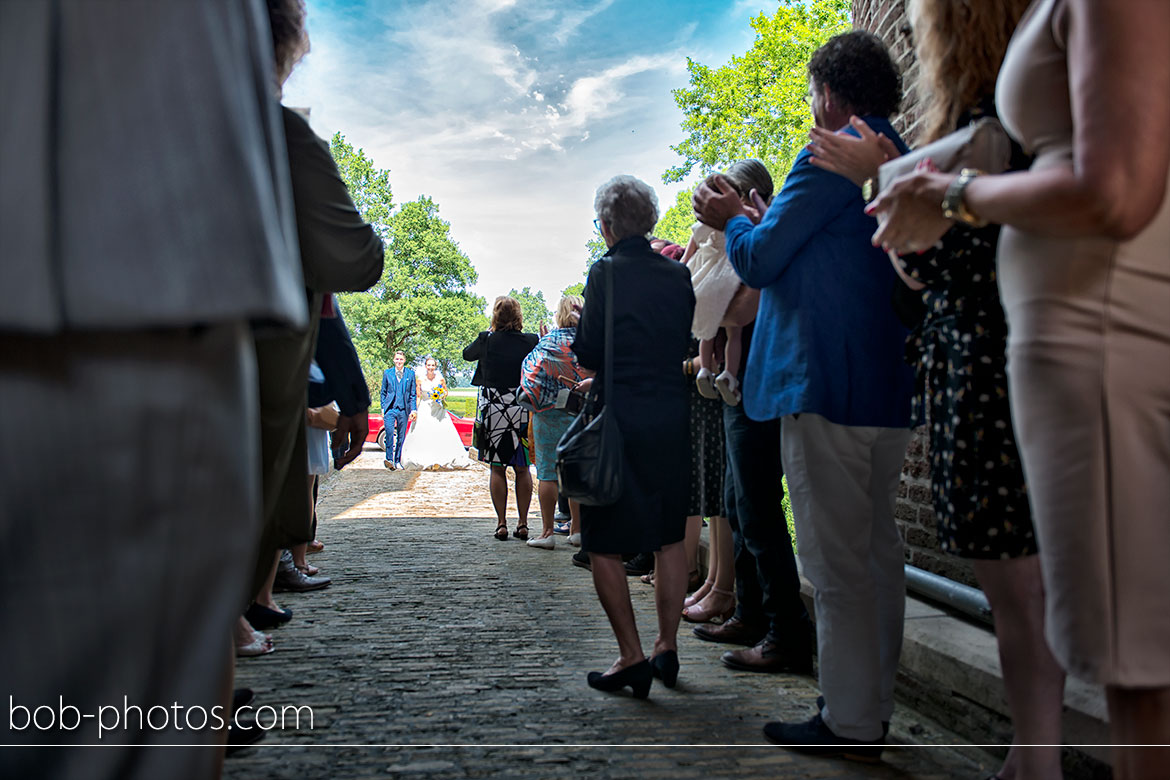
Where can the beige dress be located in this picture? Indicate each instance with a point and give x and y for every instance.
(1089, 367)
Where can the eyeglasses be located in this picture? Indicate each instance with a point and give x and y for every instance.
(597, 225)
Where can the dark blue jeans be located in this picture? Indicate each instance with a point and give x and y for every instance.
(766, 581)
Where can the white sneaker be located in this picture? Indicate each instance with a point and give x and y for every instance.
(547, 543)
(728, 387)
(704, 380)
(575, 539)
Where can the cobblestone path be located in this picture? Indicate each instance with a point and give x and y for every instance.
(444, 653)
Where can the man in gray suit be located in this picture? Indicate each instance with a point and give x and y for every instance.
(145, 221)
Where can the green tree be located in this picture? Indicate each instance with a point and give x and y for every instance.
(533, 308)
(423, 303)
(574, 289)
(754, 106)
(368, 186)
(675, 223)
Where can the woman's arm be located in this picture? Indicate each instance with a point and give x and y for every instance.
(692, 247)
(1119, 83)
(474, 350)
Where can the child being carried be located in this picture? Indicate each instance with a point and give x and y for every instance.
(723, 304)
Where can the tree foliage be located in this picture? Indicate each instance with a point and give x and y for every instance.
(675, 223)
(533, 308)
(422, 304)
(754, 106)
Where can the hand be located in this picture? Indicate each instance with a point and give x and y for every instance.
(413, 416)
(716, 202)
(584, 385)
(857, 159)
(543, 329)
(909, 211)
(350, 435)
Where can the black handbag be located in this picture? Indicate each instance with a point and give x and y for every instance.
(589, 455)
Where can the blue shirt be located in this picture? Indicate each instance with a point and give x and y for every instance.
(827, 340)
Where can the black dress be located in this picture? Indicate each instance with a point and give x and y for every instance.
(653, 308)
(977, 479)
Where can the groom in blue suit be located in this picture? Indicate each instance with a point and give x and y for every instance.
(398, 404)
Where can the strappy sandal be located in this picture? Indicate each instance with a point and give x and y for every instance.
(698, 613)
(501, 532)
(521, 532)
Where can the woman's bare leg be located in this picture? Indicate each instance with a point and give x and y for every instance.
(264, 596)
(546, 493)
(721, 571)
(609, 579)
(1139, 718)
(670, 586)
(498, 487)
(1031, 675)
(574, 517)
(523, 492)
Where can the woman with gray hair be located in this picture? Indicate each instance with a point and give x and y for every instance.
(652, 308)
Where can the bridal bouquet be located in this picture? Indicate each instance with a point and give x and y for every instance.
(438, 394)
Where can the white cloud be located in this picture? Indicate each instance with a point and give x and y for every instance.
(509, 134)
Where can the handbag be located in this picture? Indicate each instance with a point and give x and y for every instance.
(590, 454)
(983, 145)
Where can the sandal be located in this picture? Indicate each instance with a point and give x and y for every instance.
(648, 579)
(699, 594)
(261, 644)
(502, 532)
(521, 532)
(698, 613)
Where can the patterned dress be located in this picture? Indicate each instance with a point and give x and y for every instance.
(708, 456)
(977, 480)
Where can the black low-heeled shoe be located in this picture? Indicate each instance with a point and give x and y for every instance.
(638, 676)
(263, 618)
(664, 666)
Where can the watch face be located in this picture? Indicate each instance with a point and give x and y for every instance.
(867, 189)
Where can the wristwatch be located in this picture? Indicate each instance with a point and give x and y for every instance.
(869, 189)
(953, 206)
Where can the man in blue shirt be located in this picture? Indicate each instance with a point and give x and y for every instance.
(826, 357)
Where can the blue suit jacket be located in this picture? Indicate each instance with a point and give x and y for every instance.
(398, 396)
(826, 340)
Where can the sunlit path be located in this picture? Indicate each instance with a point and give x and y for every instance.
(435, 633)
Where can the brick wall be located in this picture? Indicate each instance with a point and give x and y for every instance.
(914, 512)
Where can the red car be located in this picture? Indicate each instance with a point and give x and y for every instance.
(463, 426)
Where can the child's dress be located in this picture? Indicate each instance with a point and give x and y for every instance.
(714, 280)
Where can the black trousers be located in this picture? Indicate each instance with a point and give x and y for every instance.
(766, 581)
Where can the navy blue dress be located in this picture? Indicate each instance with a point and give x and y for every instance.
(653, 308)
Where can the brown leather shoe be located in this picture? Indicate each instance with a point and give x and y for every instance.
(768, 657)
(733, 632)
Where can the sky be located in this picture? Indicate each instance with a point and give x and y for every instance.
(510, 113)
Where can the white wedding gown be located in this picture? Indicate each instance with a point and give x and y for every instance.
(433, 443)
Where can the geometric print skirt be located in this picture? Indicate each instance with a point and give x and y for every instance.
(505, 428)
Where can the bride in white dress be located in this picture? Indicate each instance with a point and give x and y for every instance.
(433, 443)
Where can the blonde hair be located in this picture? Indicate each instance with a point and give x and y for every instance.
(960, 45)
(506, 314)
(569, 311)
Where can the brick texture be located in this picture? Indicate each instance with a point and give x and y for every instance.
(914, 513)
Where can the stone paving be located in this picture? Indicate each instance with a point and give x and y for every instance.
(441, 652)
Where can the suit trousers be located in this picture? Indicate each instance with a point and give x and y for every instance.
(129, 507)
(766, 580)
(843, 482)
(394, 423)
